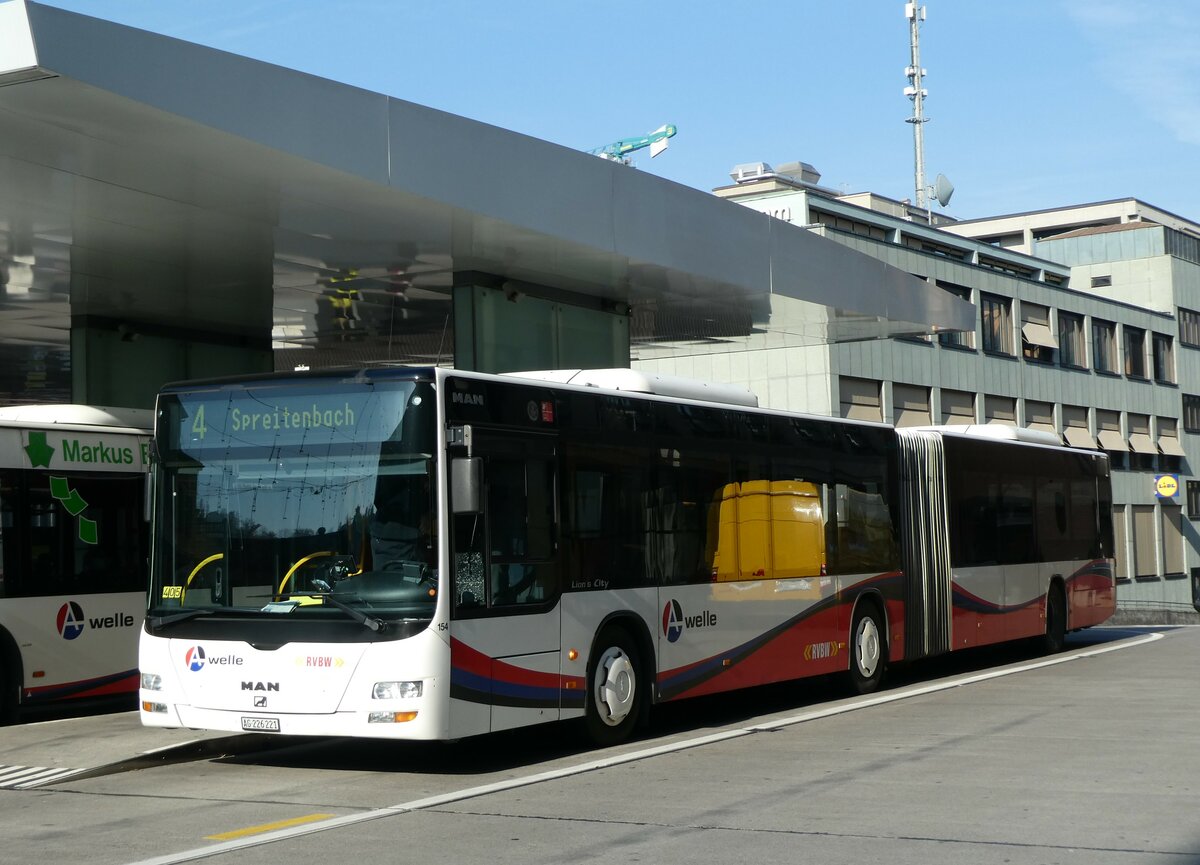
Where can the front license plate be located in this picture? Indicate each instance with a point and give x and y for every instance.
(261, 725)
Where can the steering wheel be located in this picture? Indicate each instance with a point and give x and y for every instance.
(303, 560)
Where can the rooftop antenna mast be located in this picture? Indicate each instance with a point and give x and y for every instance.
(942, 189)
(917, 93)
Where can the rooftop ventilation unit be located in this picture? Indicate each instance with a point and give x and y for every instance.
(747, 171)
(800, 171)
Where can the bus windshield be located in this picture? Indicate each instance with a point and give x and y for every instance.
(303, 499)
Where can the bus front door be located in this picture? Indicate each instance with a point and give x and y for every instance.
(505, 646)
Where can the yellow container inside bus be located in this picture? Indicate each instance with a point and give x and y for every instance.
(765, 530)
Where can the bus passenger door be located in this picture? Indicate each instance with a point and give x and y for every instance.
(505, 633)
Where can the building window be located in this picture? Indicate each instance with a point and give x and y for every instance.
(1075, 427)
(1009, 267)
(1189, 327)
(1135, 351)
(1164, 358)
(850, 226)
(1040, 416)
(910, 405)
(1171, 452)
(1104, 346)
(1101, 281)
(997, 323)
(934, 248)
(860, 399)
(1142, 447)
(958, 407)
(956, 338)
(1108, 433)
(1120, 543)
(1193, 499)
(1145, 549)
(1000, 410)
(1072, 350)
(1191, 413)
(1037, 340)
(1171, 526)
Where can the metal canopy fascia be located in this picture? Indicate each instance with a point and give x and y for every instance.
(143, 175)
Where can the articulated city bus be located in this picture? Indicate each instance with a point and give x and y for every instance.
(74, 547)
(433, 554)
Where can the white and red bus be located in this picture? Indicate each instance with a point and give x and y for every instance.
(74, 549)
(433, 554)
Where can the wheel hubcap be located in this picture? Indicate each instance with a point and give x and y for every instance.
(615, 686)
(867, 646)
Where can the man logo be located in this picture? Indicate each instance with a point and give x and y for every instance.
(194, 659)
(70, 620)
(672, 621)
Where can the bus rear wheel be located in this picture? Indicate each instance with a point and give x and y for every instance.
(1055, 638)
(868, 648)
(613, 688)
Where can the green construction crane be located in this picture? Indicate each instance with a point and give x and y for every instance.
(619, 151)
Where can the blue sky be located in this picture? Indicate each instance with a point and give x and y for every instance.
(1032, 103)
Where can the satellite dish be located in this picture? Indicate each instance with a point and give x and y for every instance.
(942, 190)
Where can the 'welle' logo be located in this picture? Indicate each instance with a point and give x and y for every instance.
(674, 621)
(72, 622)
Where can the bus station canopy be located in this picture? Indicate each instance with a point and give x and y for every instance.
(149, 183)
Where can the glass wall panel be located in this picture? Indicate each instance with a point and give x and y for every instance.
(508, 330)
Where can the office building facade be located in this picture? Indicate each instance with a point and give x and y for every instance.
(1093, 337)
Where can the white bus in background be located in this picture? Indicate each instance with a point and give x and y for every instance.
(433, 554)
(74, 547)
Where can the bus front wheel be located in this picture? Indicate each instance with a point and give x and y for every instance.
(8, 693)
(613, 688)
(868, 648)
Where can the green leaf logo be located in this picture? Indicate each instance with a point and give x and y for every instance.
(60, 489)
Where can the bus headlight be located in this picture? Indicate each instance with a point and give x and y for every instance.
(396, 690)
(151, 682)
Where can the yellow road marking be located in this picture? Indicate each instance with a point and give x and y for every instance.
(267, 827)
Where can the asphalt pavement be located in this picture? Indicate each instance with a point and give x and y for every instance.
(995, 756)
(45, 752)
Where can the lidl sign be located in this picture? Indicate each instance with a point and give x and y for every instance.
(1166, 486)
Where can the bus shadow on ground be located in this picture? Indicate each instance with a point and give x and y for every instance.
(532, 747)
(77, 709)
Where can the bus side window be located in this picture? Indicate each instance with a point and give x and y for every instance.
(676, 515)
(9, 540)
(521, 509)
(603, 534)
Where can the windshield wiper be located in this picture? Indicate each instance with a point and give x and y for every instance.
(366, 620)
(174, 618)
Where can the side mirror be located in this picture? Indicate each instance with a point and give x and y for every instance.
(466, 485)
